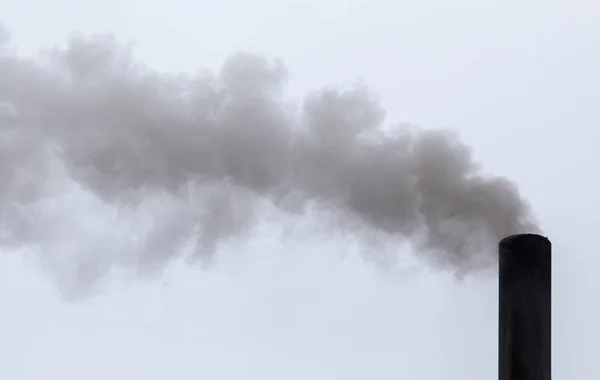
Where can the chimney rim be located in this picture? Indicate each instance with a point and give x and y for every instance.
(525, 237)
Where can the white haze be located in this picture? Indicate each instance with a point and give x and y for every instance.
(293, 292)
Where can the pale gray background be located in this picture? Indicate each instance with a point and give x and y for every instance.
(519, 79)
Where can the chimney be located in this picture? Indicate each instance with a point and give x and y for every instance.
(524, 308)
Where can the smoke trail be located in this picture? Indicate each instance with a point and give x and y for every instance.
(92, 114)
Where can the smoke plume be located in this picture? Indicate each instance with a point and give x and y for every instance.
(205, 150)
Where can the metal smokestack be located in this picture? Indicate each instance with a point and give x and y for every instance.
(525, 308)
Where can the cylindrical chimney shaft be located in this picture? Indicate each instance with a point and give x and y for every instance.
(525, 308)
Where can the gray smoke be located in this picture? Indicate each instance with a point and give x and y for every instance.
(92, 114)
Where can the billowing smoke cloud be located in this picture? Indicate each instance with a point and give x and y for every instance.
(91, 114)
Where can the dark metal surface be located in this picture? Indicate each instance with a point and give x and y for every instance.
(525, 308)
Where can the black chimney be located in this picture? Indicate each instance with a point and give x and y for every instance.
(525, 308)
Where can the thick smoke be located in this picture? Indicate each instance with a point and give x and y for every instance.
(93, 115)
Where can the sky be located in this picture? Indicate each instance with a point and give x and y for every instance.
(519, 81)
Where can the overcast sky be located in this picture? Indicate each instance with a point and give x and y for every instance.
(519, 80)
